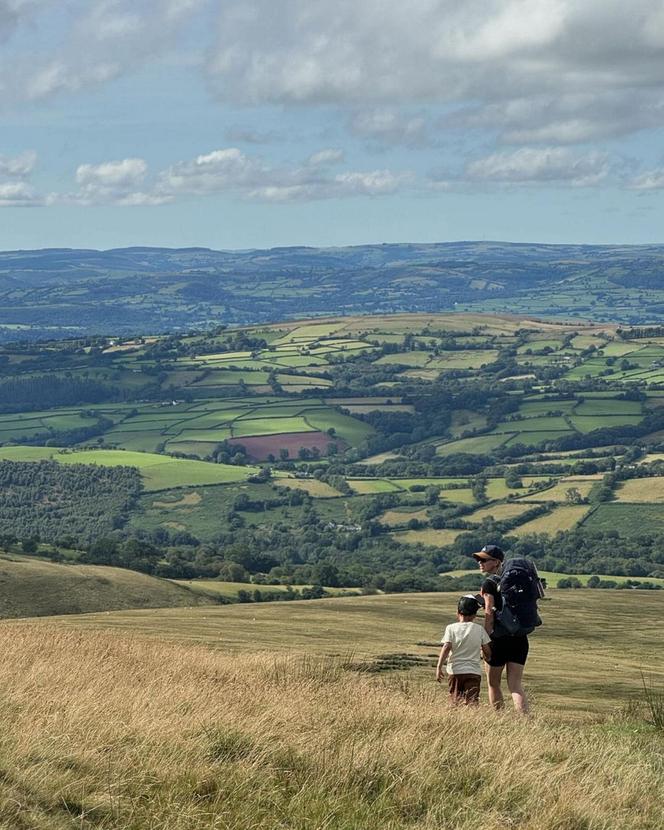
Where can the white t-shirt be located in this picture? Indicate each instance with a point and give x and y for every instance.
(466, 639)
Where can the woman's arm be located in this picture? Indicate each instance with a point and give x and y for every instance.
(489, 613)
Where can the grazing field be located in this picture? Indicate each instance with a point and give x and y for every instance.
(159, 472)
(403, 515)
(642, 490)
(427, 536)
(364, 486)
(627, 519)
(476, 444)
(564, 517)
(316, 489)
(508, 510)
(560, 492)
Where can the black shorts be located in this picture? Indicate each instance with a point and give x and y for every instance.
(509, 650)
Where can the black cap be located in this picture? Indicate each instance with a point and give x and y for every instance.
(469, 605)
(490, 552)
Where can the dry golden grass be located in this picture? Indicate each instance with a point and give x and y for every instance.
(506, 510)
(642, 490)
(315, 488)
(123, 733)
(563, 517)
(559, 491)
(396, 517)
(427, 536)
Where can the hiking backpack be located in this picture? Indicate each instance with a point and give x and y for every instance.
(520, 588)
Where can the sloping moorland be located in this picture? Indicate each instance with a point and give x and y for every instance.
(243, 721)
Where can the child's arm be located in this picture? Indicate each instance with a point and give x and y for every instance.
(486, 652)
(444, 654)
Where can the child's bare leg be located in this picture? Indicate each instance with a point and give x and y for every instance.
(494, 676)
(515, 685)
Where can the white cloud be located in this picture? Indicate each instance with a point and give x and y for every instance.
(388, 126)
(322, 158)
(104, 40)
(112, 173)
(541, 165)
(230, 170)
(650, 180)
(537, 70)
(18, 194)
(113, 182)
(18, 166)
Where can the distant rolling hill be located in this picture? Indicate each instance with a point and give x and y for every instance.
(61, 292)
(33, 588)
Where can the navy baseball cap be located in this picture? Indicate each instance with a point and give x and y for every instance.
(490, 552)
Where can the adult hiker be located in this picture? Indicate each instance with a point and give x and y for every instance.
(509, 636)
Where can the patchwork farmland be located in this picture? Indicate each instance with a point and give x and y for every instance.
(401, 439)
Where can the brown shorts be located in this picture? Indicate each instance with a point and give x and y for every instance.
(464, 688)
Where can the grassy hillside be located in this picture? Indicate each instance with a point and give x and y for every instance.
(105, 730)
(32, 588)
(583, 638)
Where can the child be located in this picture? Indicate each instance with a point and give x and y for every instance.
(464, 640)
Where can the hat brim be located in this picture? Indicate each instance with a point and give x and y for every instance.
(484, 556)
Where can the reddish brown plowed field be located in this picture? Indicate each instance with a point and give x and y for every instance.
(260, 446)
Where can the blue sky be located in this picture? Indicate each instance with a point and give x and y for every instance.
(255, 123)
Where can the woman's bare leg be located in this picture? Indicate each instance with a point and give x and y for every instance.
(493, 677)
(515, 685)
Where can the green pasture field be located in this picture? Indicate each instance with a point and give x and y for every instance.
(497, 489)
(578, 660)
(627, 519)
(159, 472)
(599, 406)
(348, 428)
(477, 444)
(134, 441)
(587, 423)
(229, 377)
(537, 344)
(537, 424)
(618, 349)
(540, 408)
(535, 439)
(299, 383)
(203, 435)
(564, 517)
(270, 426)
(364, 486)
